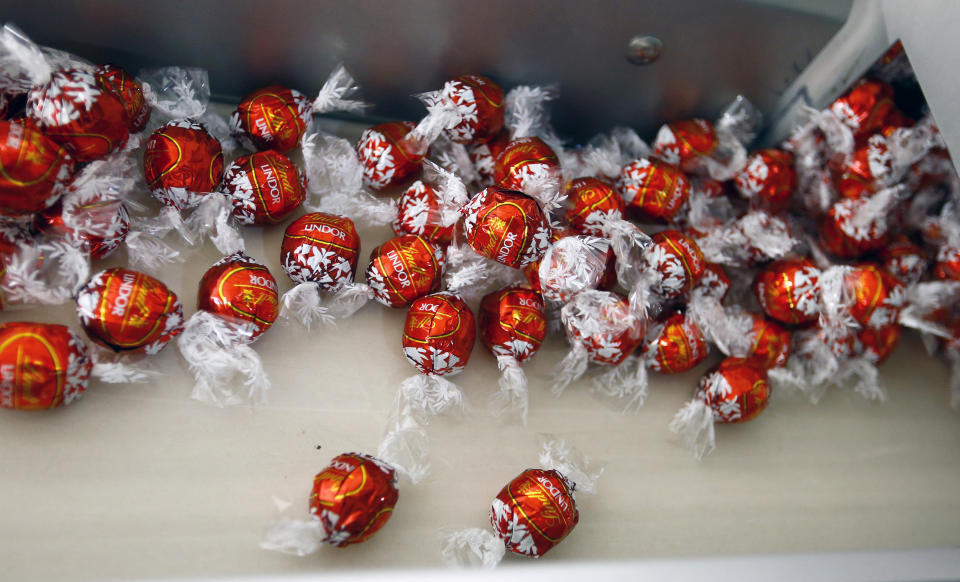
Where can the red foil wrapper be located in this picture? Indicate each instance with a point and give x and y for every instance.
(653, 189)
(843, 236)
(677, 346)
(42, 366)
(878, 297)
(128, 311)
(420, 212)
(272, 118)
(534, 512)
(506, 226)
(878, 344)
(865, 108)
(591, 202)
(74, 111)
(322, 248)
(384, 155)
(484, 156)
(770, 347)
(181, 162)
(682, 143)
(32, 169)
(714, 281)
(513, 323)
(904, 260)
(403, 269)
(264, 188)
(353, 498)
(128, 91)
(523, 161)
(947, 266)
(438, 334)
(768, 180)
(240, 289)
(482, 102)
(115, 225)
(618, 341)
(679, 262)
(789, 291)
(735, 391)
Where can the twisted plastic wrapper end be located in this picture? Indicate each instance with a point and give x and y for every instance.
(176, 92)
(339, 93)
(693, 425)
(217, 351)
(473, 547)
(570, 462)
(513, 396)
(405, 444)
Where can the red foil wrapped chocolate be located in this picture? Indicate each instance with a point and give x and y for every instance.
(33, 169)
(682, 143)
(848, 238)
(126, 310)
(614, 338)
(677, 345)
(353, 498)
(264, 188)
(113, 224)
(75, 112)
(677, 260)
(385, 156)
(904, 260)
(789, 291)
(592, 202)
(272, 118)
(525, 163)
(947, 266)
(769, 343)
(240, 289)
(438, 334)
(534, 512)
(182, 162)
(322, 248)
(128, 91)
(865, 108)
(878, 344)
(506, 226)
(878, 296)
(735, 391)
(768, 180)
(42, 366)
(513, 323)
(484, 156)
(481, 101)
(653, 189)
(403, 269)
(419, 212)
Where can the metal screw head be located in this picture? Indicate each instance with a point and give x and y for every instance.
(644, 49)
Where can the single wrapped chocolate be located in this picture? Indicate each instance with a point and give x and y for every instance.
(602, 328)
(735, 391)
(768, 180)
(533, 513)
(506, 226)
(655, 190)
(41, 366)
(126, 310)
(351, 500)
(513, 324)
(789, 291)
(35, 170)
(182, 164)
(264, 188)
(236, 301)
(128, 90)
(438, 337)
(481, 102)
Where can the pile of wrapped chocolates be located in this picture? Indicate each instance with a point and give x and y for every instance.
(800, 264)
